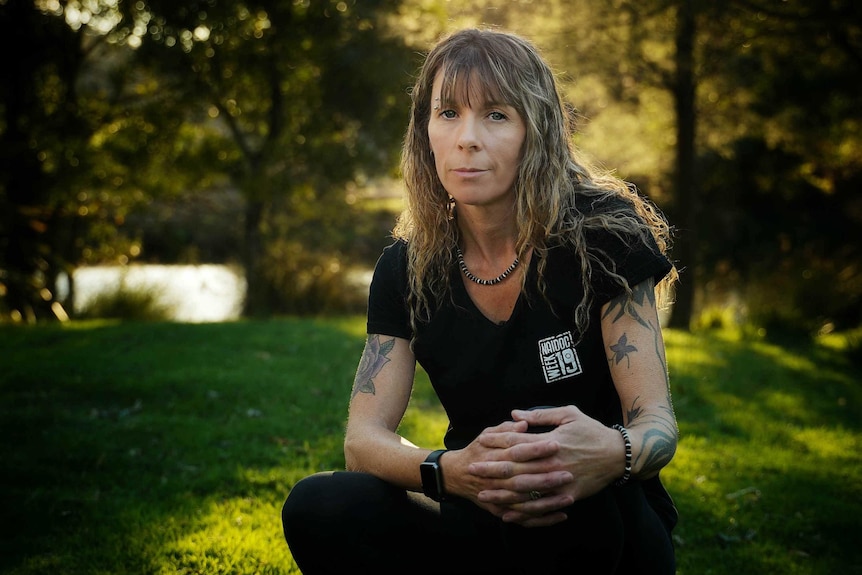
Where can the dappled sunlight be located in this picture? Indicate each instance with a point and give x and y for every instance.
(830, 444)
(754, 497)
(692, 468)
(793, 406)
(685, 350)
(176, 445)
(783, 357)
(228, 536)
(694, 357)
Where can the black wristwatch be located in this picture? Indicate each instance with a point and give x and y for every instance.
(432, 476)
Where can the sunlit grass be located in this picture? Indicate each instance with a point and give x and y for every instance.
(425, 422)
(166, 448)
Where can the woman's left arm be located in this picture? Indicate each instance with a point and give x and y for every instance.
(587, 449)
(638, 365)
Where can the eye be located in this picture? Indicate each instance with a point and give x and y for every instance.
(448, 114)
(497, 116)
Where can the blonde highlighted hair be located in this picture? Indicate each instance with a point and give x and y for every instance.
(552, 182)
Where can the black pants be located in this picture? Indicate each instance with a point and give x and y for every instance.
(347, 522)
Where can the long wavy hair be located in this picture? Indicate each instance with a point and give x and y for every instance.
(552, 185)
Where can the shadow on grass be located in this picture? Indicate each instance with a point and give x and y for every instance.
(168, 448)
(767, 475)
(122, 441)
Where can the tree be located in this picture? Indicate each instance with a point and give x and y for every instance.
(113, 104)
(789, 170)
(84, 140)
(299, 98)
(783, 73)
(56, 100)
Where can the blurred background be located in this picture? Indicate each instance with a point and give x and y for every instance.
(243, 156)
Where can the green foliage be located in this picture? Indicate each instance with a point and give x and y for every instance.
(169, 448)
(306, 281)
(123, 126)
(781, 244)
(141, 303)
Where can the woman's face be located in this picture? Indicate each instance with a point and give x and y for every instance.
(477, 148)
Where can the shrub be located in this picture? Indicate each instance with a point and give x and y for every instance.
(142, 303)
(303, 281)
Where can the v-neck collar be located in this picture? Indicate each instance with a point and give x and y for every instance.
(462, 297)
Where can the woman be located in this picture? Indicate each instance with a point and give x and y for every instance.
(519, 279)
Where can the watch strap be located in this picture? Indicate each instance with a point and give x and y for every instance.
(432, 475)
(434, 456)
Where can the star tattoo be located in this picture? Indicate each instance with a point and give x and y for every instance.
(621, 350)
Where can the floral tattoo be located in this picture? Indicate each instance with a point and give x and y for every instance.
(622, 349)
(374, 357)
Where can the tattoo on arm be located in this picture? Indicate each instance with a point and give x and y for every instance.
(374, 357)
(621, 350)
(642, 294)
(659, 440)
(660, 431)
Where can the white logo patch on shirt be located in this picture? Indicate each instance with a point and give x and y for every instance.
(559, 357)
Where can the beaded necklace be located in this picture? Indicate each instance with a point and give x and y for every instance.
(480, 281)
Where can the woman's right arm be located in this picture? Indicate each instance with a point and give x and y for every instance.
(381, 392)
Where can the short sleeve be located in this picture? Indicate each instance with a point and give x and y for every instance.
(387, 297)
(635, 259)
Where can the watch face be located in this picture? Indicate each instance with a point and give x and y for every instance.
(430, 473)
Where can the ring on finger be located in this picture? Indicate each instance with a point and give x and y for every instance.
(535, 495)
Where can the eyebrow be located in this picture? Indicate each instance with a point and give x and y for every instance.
(487, 103)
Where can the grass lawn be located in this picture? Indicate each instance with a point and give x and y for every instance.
(156, 448)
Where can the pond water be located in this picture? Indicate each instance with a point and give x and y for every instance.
(192, 293)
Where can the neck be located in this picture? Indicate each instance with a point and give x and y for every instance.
(487, 235)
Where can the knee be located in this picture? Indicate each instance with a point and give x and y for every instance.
(299, 508)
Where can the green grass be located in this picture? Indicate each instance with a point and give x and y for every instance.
(156, 448)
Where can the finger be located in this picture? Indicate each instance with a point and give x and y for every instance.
(531, 509)
(552, 416)
(520, 462)
(505, 427)
(533, 450)
(530, 521)
(519, 490)
(492, 469)
(505, 440)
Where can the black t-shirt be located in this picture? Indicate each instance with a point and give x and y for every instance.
(481, 370)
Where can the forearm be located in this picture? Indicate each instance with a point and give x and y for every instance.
(653, 435)
(638, 366)
(386, 455)
(381, 393)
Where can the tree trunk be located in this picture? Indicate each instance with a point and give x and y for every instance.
(256, 297)
(685, 246)
(22, 185)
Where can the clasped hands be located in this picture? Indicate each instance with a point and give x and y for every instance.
(530, 478)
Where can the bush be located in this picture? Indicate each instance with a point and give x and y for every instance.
(303, 281)
(127, 303)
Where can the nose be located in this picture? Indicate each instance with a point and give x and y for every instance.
(468, 135)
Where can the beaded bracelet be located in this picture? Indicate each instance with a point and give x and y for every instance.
(628, 472)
